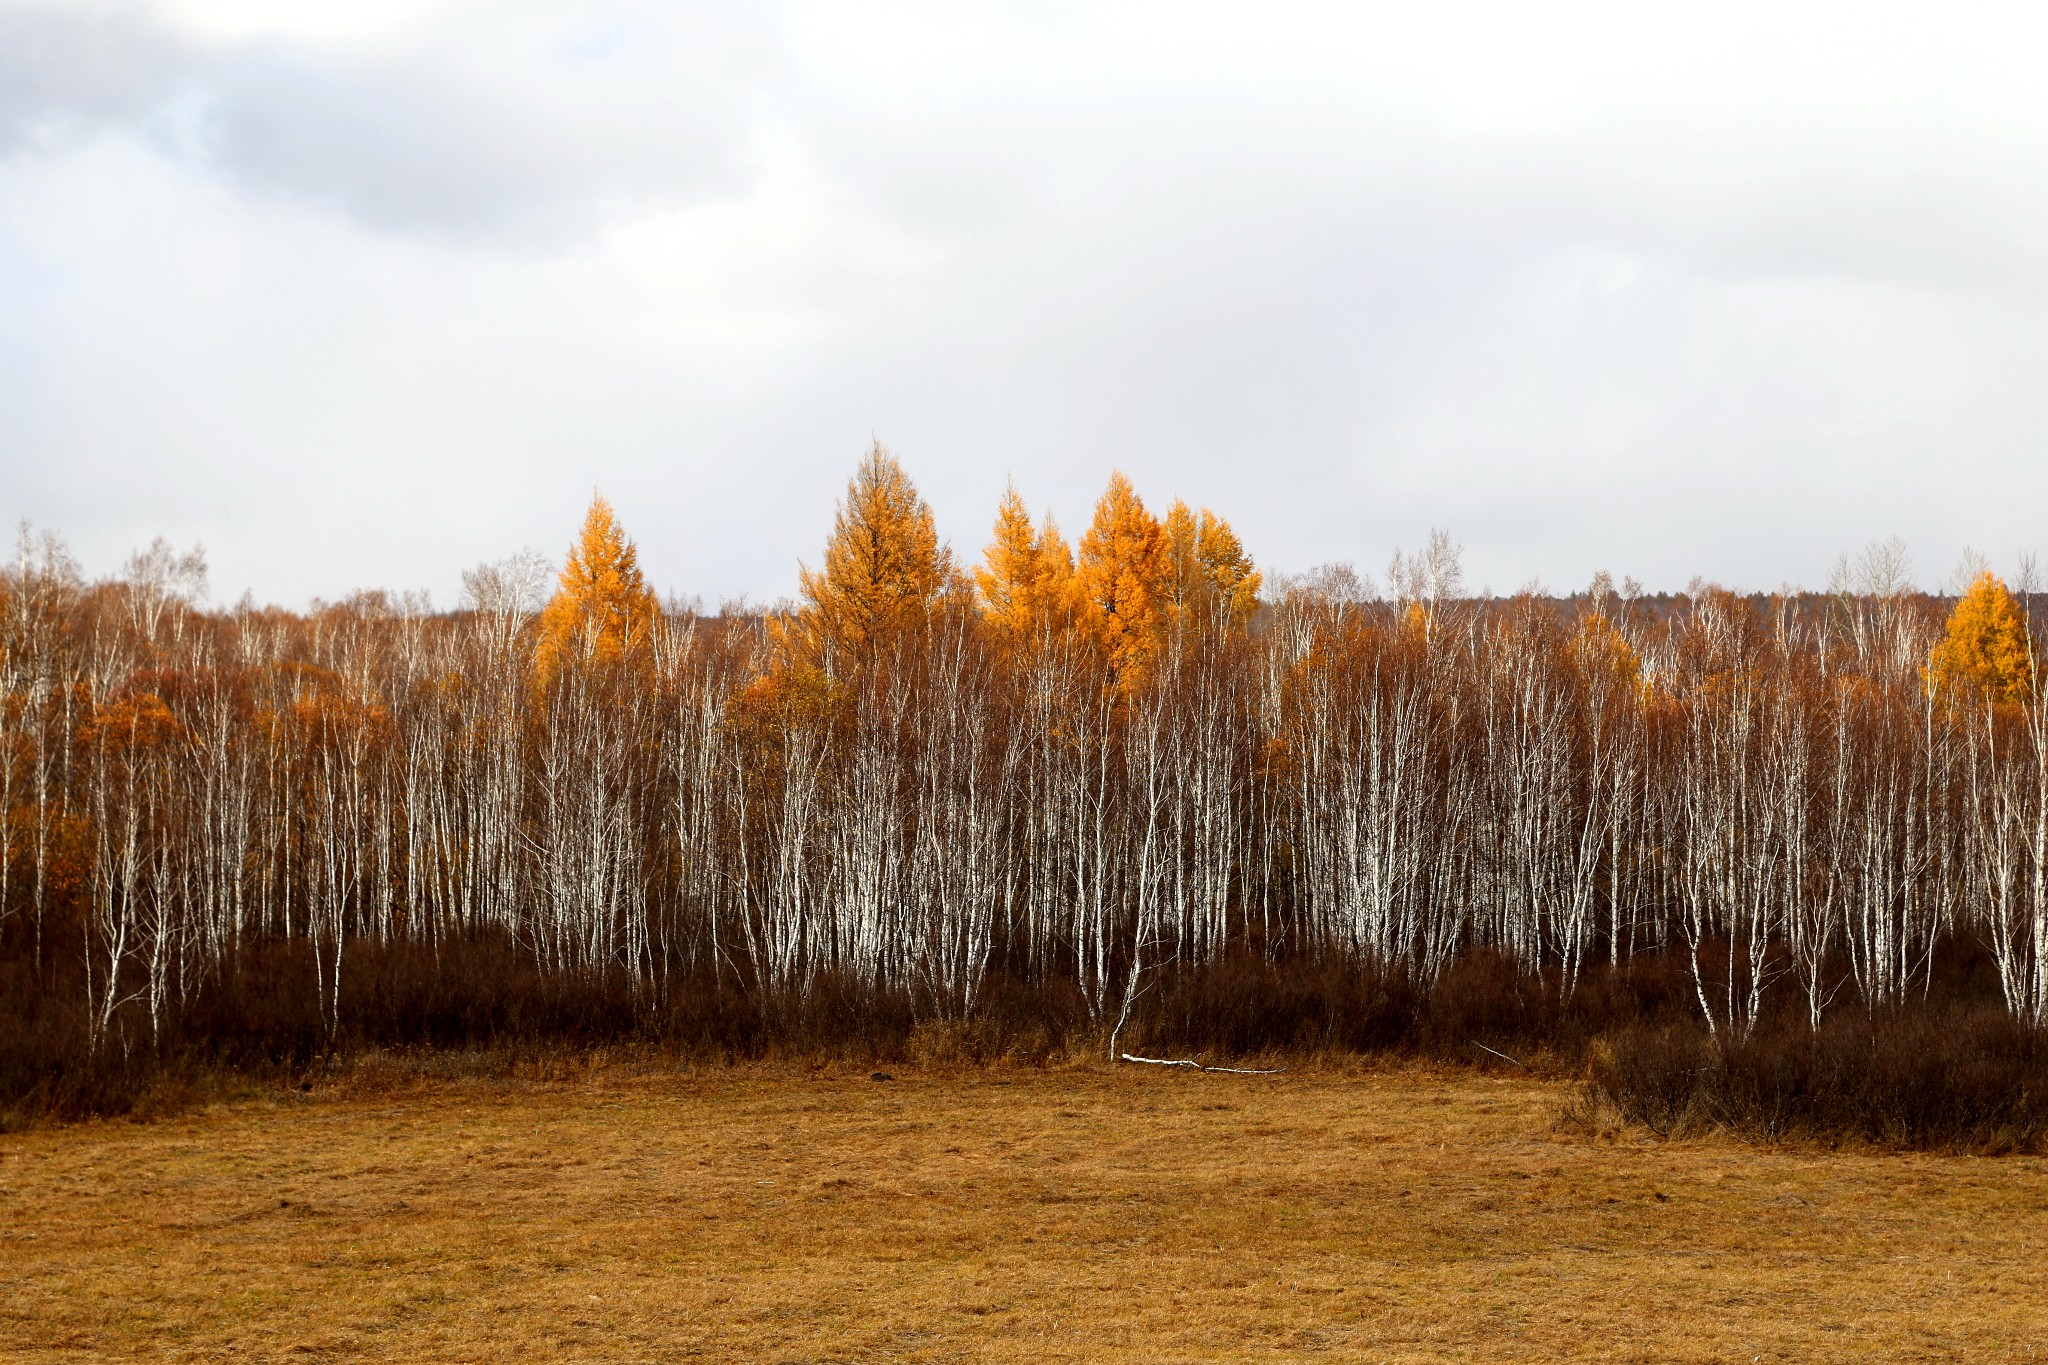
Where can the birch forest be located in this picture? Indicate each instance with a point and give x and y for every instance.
(947, 782)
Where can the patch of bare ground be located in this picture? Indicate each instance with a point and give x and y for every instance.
(1079, 1214)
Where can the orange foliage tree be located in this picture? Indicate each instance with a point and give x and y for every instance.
(1207, 567)
(1121, 580)
(603, 611)
(1985, 652)
(884, 566)
(1026, 577)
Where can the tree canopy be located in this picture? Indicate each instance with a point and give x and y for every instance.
(1209, 571)
(885, 567)
(1026, 577)
(1985, 652)
(603, 610)
(1121, 580)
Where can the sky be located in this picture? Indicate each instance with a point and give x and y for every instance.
(361, 295)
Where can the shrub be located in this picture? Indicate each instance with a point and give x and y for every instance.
(1955, 1079)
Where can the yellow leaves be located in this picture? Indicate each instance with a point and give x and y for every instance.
(1134, 580)
(1208, 565)
(884, 566)
(603, 612)
(1986, 652)
(1008, 578)
(791, 695)
(1026, 578)
(1121, 580)
(1055, 569)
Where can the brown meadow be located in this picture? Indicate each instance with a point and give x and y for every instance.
(627, 1212)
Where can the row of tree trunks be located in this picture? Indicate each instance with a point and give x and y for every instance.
(902, 788)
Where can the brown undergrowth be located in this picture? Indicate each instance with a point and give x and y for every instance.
(483, 999)
(1955, 1079)
(614, 1207)
(1951, 1071)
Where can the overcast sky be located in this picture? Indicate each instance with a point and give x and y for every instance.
(361, 294)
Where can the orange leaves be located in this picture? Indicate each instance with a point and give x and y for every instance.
(1009, 576)
(302, 708)
(1986, 653)
(1122, 578)
(884, 566)
(157, 708)
(1026, 580)
(1208, 567)
(603, 612)
(1134, 581)
(333, 717)
(885, 571)
(133, 719)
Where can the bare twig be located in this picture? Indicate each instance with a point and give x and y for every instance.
(1197, 1066)
(1502, 1055)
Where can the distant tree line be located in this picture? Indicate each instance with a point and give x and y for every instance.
(1064, 767)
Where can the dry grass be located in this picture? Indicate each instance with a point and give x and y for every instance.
(1070, 1215)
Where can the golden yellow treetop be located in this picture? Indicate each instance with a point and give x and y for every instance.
(1055, 568)
(1605, 653)
(603, 611)
(1008, 575)
(884, 565)
(1026, 576)
(1986, 651)
(1121, 580)
(1207, 566)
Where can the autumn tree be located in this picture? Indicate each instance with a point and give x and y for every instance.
(1985, 652)
(1026, 577)
(884, 565)
(1121, 580)
(1207, 567)
(603, 611)
(1604, 654)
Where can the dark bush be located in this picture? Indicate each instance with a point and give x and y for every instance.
(1956, 1079)
(1242, 1006)
(1651, 1076)
(1483, 1010)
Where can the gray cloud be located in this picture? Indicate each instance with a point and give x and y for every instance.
(391, 148)
(63, 69)
(1643, 311)
(404, 141)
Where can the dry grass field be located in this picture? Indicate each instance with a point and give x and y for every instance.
(1081, 1214)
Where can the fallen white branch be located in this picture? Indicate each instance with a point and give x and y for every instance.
(1197, 1066)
